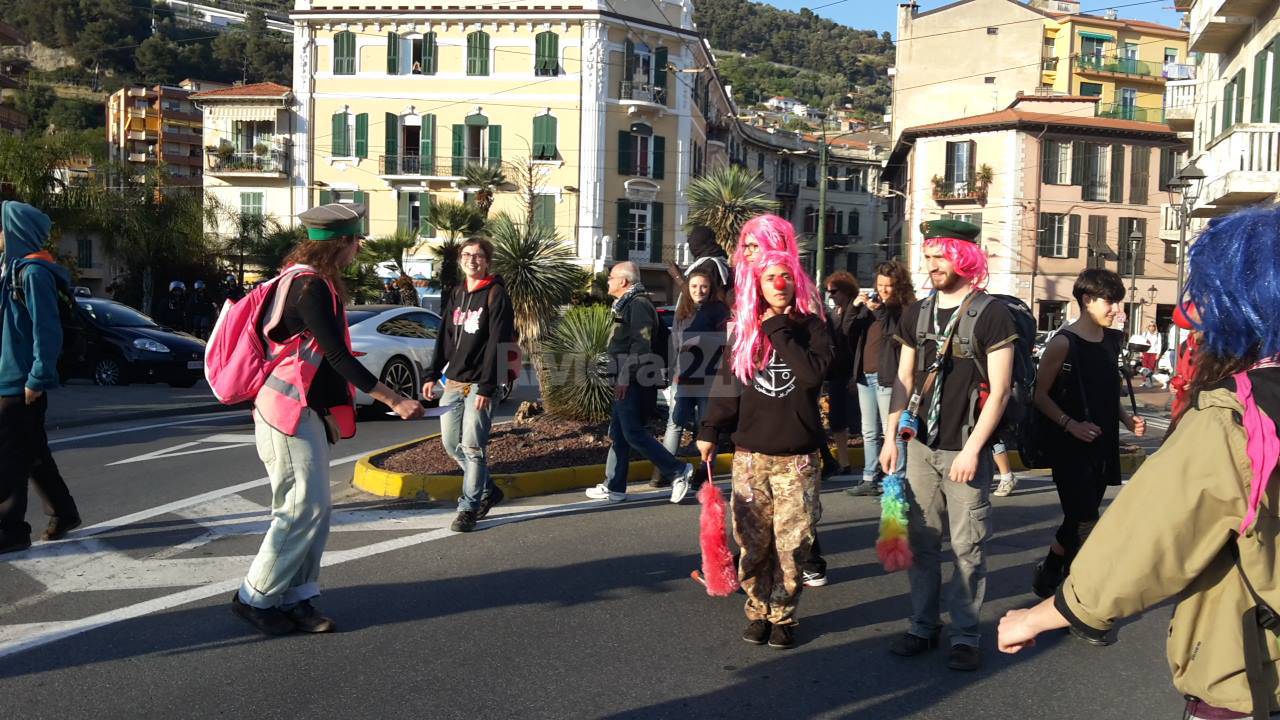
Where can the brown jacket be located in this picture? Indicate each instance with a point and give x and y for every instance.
(1166, 535)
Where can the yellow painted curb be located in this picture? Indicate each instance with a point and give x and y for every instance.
(385, 483)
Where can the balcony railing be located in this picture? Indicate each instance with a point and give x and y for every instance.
(1049, 64)
(945, 192)
(274, 162)
(430, 166)
(787, 189)
(642, 92)
(1122, 111)
(1179, 71)
(1119, 66)
(1180, 96)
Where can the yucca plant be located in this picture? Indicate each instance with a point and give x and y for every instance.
(725, 199)
(486, 179)
(393, 247)
(572, 385)
(539, 271)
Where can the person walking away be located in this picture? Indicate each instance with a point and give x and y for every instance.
(305, 406)
(30, 342)
(1150, 338)
(174, 310)
(234, 290)
(893, 293)
(201, 310)
(1198, 522)
(850, 323)
(1077, 387)
(942, 376)
(471, 356)
(698, 335)
(390, 295)
(780, 351)
(408, 293)
(636, 370)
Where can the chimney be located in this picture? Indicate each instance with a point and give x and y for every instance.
(1112, 14)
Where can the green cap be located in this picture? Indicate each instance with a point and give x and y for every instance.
(949, 228)
(332, 221)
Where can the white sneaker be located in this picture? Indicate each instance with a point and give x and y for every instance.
(680, 484)
(814, 579)
(1006, 486)
(602, 492)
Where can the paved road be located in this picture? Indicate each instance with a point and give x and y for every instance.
(555, 608)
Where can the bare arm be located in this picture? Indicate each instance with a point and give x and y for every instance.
(1050, 365)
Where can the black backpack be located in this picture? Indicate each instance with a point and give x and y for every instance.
(1015, 424)
(75, 334)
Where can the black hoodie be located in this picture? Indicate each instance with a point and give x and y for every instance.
(476, 323)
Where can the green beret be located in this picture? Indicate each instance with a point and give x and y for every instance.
(949, 228)
(335, 220)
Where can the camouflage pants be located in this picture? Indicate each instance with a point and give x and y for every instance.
(775, 508)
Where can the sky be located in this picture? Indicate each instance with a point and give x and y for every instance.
(881, 15)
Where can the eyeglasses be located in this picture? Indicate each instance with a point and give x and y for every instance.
(471, 256)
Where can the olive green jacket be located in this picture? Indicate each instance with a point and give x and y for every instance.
(1166, 535)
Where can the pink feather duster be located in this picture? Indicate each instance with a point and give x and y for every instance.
(717, 562)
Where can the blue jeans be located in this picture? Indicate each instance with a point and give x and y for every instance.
(464, 432)
(627, 431)
(686, 412)
(872, 428)
(883, 396)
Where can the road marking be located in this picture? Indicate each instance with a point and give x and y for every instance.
(18, 638)
(105, 433)
(222, 441)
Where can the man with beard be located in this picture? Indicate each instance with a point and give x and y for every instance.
(954, 379)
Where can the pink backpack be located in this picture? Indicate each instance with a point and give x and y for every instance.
(236, 361)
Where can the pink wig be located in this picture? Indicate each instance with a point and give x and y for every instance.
(772, 233)
(968, 258)
(751, 348)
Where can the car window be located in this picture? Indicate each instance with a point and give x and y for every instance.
(408, 325)
(355, 317)
(117, 315)
(430, 322)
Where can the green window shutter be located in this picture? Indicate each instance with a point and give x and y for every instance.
(360, 197)
(393, 54)
(430, 54)
(1073, 236)
(660, 68)
(626, 153)
(1259, 113)
(459, 149)
(1275, 80)
(1045, 235)
(362, 135)
(628, 61)
(1117, 174)
(484, 53)
(539, 54)
(391, 140)
(338, 135)
(659, 157)
(427, 230)
(549, 127)
(1239, 81)
(478, 53)
(495, 145)
(427, 145)
(544, 211)
(1078, 149)
(624, 225)
(1140, 176)
(326, 197)
(344, 53)
(1140, 260)
(655, 232)
(1228, 104)
(547, 57)
(403, 201)
(539, 139)
(1048, 162)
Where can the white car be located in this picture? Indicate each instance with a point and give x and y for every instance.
(395, 343)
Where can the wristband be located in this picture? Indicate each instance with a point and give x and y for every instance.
(1065, 421)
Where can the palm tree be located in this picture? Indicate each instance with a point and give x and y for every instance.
(269, 250)
(724, 200)
(486, 179)
(456, 220)
(393, 247)
(540, 274)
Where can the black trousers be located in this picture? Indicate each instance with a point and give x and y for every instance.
(1080, 495)
(25, 456)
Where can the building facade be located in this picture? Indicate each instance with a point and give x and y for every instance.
(1054, 191)
(10, 119)
(608, 105)
(247, 137)
(158, 127)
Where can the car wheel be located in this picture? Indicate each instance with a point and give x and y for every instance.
(108, 371)
(399, 376)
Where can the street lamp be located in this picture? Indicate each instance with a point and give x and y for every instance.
(1188, 184)
(821, 255)
(1135, 245)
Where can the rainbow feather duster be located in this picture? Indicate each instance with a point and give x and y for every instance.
(892, 546)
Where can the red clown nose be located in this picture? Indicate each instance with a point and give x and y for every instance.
(779, 283)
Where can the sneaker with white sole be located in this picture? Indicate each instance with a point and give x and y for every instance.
(680, 484)
(602, 492)
(814, 579)
(1006, 486)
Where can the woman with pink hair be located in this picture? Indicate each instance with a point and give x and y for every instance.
(768, 400)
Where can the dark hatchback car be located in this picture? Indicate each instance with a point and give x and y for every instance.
(122, 346)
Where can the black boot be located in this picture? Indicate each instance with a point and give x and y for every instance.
(1049, 574)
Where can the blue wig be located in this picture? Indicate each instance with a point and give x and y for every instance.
(1234, 283)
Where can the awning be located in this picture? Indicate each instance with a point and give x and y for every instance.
(1097, 36)
(243, 112)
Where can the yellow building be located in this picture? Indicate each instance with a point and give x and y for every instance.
(1126, 63)
(609, 107)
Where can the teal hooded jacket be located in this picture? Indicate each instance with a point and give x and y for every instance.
(30, 328)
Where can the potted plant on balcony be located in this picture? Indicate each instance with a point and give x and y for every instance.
(260, 155)
(226, 153)
(982, 180)
(939, 187)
